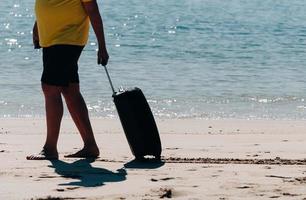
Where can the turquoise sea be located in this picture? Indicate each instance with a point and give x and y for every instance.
(192, 58)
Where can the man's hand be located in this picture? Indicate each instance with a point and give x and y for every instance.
(102, 56)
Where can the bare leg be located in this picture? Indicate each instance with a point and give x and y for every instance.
(54, 114)
(79, 113)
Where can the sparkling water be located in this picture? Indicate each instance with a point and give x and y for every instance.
(192, 58)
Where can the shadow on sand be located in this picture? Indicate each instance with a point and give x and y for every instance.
(87, 175)
(144, 164)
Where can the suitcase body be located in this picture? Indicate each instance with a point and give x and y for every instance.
(138, 123)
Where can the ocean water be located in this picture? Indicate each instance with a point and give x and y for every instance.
(192, 58)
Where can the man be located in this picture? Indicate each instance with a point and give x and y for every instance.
(61, 29)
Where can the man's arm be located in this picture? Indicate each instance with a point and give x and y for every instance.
(35, 36)
(92, 10)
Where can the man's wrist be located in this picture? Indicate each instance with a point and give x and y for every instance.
(102, 47)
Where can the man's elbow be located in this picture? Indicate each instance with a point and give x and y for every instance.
(90, 7)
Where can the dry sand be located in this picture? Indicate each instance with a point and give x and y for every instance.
(202, 159)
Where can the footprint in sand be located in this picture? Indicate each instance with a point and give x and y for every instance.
(47, 176)
(191, 170)
(56, 198)
(166, 179)
(68, 188)
(244, 187)
(290, 194)
(72, 188)
(162, 179)
(174, 148)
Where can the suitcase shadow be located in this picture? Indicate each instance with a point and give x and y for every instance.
(144, 164)
(85, 174)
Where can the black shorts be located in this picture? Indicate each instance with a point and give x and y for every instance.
(61, 64)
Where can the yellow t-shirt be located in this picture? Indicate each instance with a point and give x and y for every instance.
(61, 22)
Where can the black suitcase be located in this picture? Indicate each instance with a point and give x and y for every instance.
(137, 121)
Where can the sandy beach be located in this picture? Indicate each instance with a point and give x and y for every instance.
(202, 159)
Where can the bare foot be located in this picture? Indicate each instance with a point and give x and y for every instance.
(86, 152)
(43, 155)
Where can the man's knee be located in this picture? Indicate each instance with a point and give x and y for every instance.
(71, 91)
(51, 90)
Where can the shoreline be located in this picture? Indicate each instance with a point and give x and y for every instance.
(165, 126)
(264, 159)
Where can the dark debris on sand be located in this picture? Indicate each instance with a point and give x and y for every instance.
(165, 193)
(57, 198)
(275, 161)
(301, 180)
(2, 131)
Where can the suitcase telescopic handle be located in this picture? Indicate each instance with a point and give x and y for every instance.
(109, 79)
